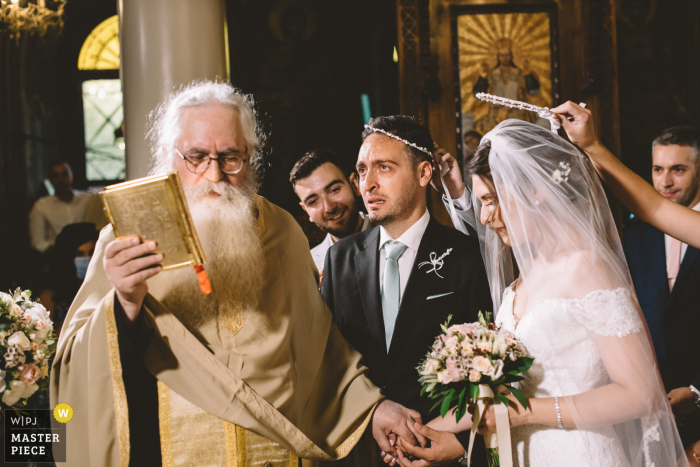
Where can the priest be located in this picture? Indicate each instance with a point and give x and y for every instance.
(255, 372)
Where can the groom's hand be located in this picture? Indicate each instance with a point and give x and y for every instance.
(391, 420)
(444, 449)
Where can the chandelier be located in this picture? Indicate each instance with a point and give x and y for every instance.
(40, 17)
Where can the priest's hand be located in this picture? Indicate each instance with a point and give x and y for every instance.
(390, 420)
(453, 176)
(128, 262)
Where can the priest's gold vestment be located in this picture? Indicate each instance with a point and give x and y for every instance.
(285, 386)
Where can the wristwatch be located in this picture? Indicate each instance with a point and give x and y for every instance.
(696, 393)
(464, 460)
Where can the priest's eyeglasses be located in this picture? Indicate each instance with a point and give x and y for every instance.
(199, 162)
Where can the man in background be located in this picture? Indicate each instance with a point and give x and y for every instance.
(666, 275)
(51, 213)
(329, 196)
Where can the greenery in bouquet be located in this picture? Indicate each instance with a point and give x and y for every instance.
(27, 343)
(467, 355)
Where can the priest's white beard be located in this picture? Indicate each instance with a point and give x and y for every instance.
(227, 228)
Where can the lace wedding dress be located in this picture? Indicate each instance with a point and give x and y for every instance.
(557, 333)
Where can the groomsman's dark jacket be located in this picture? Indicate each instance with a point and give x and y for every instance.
(673, 317)
(351, 290)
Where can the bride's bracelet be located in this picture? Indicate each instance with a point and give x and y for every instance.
(556, 405)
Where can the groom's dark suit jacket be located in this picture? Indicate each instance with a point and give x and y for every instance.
(351, 290)
(673, 317)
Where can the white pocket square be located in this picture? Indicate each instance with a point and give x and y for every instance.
(438, 295)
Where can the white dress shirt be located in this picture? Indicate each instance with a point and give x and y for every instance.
(319, 251)
(49, 215)
(684, 246)
(411, 238)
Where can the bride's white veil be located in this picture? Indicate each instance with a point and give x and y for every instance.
(569, 255)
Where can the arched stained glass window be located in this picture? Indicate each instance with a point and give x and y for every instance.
(103, 112)
(100, 50)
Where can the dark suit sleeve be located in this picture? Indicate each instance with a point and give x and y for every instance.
(479, 293)
(696, 383)
(327, 284)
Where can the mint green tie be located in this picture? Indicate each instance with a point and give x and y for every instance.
(391, 289)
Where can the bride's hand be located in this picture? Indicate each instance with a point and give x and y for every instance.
(516, 413)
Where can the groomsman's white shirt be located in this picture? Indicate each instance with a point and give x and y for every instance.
(411, 238)
(319, 251)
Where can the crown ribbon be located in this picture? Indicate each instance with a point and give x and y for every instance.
(391, 135)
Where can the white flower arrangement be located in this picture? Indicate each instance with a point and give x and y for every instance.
(466, 356)
(27, 343)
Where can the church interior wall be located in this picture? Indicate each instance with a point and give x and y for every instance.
(309, 64)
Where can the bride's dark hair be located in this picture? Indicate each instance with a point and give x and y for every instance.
(479, 163)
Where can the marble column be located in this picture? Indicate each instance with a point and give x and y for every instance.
(164, 44)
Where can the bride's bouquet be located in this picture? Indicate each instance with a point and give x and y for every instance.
(27, 343)
(473, 364)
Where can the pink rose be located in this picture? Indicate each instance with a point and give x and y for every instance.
(453, 370)
(30, 374)
(35, 346)
(41, 325)
(27, 319)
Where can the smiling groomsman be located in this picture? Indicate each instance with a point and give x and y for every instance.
(392, 286)
(330, 198)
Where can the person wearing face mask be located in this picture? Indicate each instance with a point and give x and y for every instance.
(71, 257)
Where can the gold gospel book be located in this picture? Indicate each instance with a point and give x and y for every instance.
(155, 209)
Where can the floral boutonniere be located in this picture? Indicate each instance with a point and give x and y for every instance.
(436, 262)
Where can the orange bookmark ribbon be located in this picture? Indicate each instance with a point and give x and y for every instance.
(204, 284)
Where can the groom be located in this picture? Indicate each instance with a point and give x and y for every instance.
(391, 287)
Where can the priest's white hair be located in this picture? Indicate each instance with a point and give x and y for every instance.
(164, 126)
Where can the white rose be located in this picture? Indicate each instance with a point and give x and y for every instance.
(484, 346)
(21, 341)
(29, 390)
(482, 365)
(474, 376)
(431, 367)
(15, 393)
(497, 369)
(38, 313)
(451, 342)
(6, 299)
(467, 350)
(444, 377)
(500, 346)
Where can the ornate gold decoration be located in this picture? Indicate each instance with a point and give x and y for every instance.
(480, 37)
(166, 433)
(121, 408)
(32, 19)
(100, 50)
(231, 444)
(347, 445)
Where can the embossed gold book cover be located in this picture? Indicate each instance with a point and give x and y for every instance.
(155, 209)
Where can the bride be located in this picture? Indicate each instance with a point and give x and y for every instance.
(595, 397)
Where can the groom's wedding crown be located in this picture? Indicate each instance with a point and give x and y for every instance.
(391, 135)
